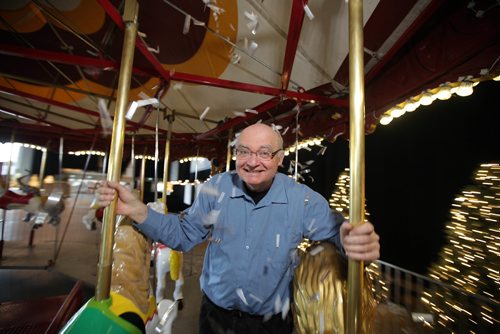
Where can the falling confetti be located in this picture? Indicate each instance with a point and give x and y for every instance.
(316, 250)
(240, 294)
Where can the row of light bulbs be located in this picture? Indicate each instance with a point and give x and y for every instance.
(303, 144)
(194, 158)
(78, 153)
(34, 147)
(463, 87)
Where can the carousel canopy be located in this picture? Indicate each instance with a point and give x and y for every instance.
(220, 65)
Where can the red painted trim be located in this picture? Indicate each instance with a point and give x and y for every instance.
(64, 58)
(294, 29)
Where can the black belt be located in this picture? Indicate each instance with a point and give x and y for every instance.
(236, 313)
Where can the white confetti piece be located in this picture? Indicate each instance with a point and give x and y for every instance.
(277, 240)
(239, 114)
(251, 111)
(204, 113)
(285, 308)
(311, 224)
(212, 191)
(316, 250)
(187, 24)
(240, 294)
(221, 197)
(256, 298)
(277, 304)
(308, 12)
(233, 192)
(285, 131)
(211, 218)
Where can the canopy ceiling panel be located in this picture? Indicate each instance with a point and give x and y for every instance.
(221, 65)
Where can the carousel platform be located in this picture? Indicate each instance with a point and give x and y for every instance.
(41, 268)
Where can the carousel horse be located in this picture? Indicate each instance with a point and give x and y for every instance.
(167, 261)
(320, 290)
(131, 293)
(42, 208)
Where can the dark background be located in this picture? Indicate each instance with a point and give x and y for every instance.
(415, 166)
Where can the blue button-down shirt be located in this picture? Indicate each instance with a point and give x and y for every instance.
(251, 255)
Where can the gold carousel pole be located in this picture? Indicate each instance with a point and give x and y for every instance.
(143, 177)
(116, 151)
(356, 156)
(175, 256)
(170, 120)
(228, 157)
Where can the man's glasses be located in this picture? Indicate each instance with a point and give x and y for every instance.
(263, 155)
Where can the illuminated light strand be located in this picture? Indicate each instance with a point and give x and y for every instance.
(464, 86)
(78, 153)
(470, 261)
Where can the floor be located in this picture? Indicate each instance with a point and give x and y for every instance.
(60, 255)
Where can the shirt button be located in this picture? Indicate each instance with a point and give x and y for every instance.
(247, 247)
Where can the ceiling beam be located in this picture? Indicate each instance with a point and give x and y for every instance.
(33, 118)
(61, 104)
(294, 29)
(59, 57)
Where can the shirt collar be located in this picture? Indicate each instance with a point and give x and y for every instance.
(277, 193)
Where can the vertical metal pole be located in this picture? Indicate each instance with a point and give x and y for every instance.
(143, 177)
(43, 163)
(196, 165)
(356, 156)
(104, 163)
(61, 153)
(116, 151)
(61, 189)
(228, 156)
(296, 172)
(132, 153)
(157, 154)
(170, 119)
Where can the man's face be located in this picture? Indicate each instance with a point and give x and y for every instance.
(258, 173)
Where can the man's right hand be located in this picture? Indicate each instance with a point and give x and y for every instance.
(127, 204)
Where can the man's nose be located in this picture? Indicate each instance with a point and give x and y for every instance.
(253, 159)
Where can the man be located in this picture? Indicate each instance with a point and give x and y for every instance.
(254, 220)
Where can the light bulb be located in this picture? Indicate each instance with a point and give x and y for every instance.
(411, 105)
(465, 88)
(385, 119)
(397, 112)
(426, 99)
(444, 92)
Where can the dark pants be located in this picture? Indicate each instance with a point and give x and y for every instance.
(216, 320)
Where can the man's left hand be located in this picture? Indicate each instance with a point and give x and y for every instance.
(361, 242)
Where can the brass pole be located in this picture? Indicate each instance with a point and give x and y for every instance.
(170, 119)
(228, 156)
(143, 178)
(132, 153)
(356, 156)
(43, 163)
(61, 157)
(116, 151)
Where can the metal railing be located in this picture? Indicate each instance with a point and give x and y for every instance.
(424, 297)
